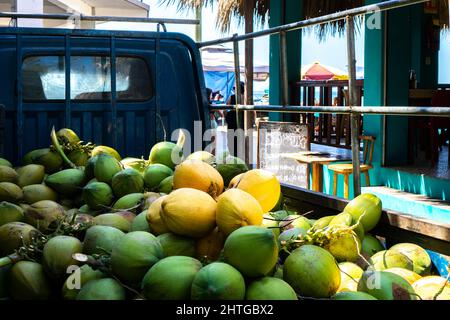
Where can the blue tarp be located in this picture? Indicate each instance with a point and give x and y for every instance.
(220, 81)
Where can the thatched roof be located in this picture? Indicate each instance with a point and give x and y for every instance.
(316, 8)
(312, 8)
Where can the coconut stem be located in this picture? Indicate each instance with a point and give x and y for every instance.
(8, 260)
(56, 144)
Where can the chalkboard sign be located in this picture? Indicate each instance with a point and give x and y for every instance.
(278, 138)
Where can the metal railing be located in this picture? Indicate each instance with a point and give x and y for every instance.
(353, 109)
(81, 17)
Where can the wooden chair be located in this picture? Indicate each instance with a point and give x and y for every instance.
(347, 168)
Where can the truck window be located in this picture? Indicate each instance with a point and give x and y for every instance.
(43, 78)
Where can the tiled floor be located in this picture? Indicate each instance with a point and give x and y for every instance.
(440, 171)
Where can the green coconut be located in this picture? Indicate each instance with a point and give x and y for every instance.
(131, 202)
(8, 174)
(98, 195)
(6, 163)
(218, 281)
(272, 225)
(10, 212)
(419, 257)
(106, 167)
(344, 247)
(89, 168)
(343, 219)
(43, 214)
(370, 245)
(312, 271)
(166, 186)
(67, 182)
(27, 281)
(15, 234)
(176, 245)
(127, 181)
(78, 157)
(387, 259)
(252, 250)
(51, 160)
(295, 221)
(38, 192)
(278, 272)
(102, 289)
(105, 150)
(386, 286)
(113, 220)
(127, 215)
(269, 288)
(10, 192)
(231, 167)
(366, 208)
(166, 153)
(57, 255)
(67, 136)
(322, 222)
(134, 254)
(134, 163)
(79, 277)
(348, 295)
(101, 239)
(85, 209)
(279, 215)
(170, 279)
(140, 223)
(155, 173)
(30, 174)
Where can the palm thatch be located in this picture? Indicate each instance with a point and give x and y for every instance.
(229, 9)
(316, 8)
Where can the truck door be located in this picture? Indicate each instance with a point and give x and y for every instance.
(124, 90)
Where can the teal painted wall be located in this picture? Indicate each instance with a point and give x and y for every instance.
(293, 13)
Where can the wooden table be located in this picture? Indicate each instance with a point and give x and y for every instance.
(316, 159)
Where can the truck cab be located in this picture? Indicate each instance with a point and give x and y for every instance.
(125, 89)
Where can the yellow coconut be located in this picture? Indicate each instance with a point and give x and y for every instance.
(261, 184)
(350, 275)
(406, 274)
(154, 218)
(237, 208)
(198, 175)
(432, 288)
(349, 285)
(209, 247)
(189, 212)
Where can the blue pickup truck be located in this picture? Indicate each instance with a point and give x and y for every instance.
(118, 88)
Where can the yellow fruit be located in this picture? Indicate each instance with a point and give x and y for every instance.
(198, 175)
(432, 288)
(349, 285)
(261, 184)
(154, 218)
(237, 208)
(189, 212)
(406, 274)
(209, 247)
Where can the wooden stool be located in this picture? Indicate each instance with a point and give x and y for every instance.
(347, 168)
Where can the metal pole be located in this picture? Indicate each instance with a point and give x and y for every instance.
(378, 110)
(354, 118)
(237, 74)
(379, 7)
(66, 16)
(198, 27)
(283, 68)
